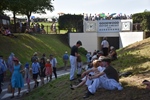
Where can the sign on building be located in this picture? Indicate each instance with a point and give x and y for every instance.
(106, 26)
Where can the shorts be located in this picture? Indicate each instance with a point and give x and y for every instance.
(35, 75)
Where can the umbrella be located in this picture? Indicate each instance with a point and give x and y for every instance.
(102, 15)
(32, 17)
(112, 14)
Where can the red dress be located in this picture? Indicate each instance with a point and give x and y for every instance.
(48, 70)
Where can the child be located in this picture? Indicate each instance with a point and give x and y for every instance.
(27, 75)
(49, 70)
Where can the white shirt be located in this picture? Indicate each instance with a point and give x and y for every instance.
(53, 62)
(105, 44)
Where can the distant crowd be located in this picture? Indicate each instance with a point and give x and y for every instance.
(90, 17)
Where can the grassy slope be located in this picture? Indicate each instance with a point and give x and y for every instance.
(133, 58)
(25, 45)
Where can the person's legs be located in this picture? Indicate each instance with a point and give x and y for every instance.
(73, 67)
(35, 80)
(54, 71)
(80, 84)
(65, 65)
(79, 69)
(28, 87)
(13, 91)
(111, 84)
(19, 89)
(42, 80)
(93, 87)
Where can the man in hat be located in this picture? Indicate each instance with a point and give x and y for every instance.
(34, 57)
(111, 82)
(65, 59)
(73, 59)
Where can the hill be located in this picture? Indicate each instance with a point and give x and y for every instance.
(134, 58)
(25, 45)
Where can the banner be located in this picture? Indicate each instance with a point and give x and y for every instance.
(109, 26)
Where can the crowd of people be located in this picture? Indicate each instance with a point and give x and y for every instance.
(100, 73)
(103, 16)
(5, 31)
(39, 67)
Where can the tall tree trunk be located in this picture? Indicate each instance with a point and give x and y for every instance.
(28, 16)
(14, 15)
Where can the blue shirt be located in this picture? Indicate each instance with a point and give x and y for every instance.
(35, 67)
(65, 57)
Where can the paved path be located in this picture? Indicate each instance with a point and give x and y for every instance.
(6, 96)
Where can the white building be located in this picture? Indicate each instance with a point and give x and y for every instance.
(118, 32)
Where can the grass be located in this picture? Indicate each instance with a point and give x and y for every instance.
(25, 45)
(47, 28)
(134, 58)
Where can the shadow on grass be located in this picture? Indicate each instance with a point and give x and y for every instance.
(59, 90)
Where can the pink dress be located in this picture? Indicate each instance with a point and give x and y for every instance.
(48, 70)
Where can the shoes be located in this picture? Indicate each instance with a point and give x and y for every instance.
(87, 94)
(145, 81)
(73, 79)
(78, 75)
(71, 87)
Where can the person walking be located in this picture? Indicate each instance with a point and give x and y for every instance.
(27, 76)
(35, 71)
(42, 67)
(10, 62)
(17, 79)
(105, 46)
(53, 61)
(73, 59)
(48, 70)
(65, 60)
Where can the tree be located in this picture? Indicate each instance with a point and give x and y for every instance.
(3, 6)
(143, 19)
(35, 6)
(14, 6)
(71, 22)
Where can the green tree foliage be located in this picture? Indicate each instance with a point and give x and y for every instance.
(35, 6)
(3, 6)
(82, 50)
(144, 19)
(71, 22)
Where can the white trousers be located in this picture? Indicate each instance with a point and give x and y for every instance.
(79, 67)
(73, 63)
(102, 82)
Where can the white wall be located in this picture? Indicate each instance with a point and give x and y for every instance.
(89, 40)
(127, 38)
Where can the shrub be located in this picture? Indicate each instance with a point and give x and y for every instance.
(82, 50)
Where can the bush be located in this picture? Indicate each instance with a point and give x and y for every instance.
(82, 50)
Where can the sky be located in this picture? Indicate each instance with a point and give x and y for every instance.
(99, 6)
